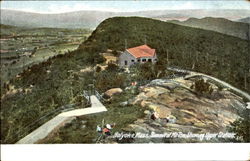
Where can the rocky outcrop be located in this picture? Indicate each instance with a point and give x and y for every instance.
(181, 110)
(109, 93)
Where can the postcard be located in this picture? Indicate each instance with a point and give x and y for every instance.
(125, 72)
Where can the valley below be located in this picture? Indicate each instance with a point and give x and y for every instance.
(23, 47)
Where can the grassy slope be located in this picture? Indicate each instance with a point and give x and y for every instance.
(219, 55)
(64, 83)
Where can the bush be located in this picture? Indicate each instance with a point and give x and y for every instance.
(112, 67)
(115, 53)
(149, 71)
(202, 87)
(98, 69)
(106, 80)
(241, 127)
(146, 71)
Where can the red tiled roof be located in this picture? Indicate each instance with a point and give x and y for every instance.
(141, 51)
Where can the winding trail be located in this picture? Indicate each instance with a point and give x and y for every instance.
(60, 120)
(196, 74)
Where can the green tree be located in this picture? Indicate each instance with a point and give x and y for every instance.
(241, 127)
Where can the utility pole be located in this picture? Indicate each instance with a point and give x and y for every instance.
(125, 45)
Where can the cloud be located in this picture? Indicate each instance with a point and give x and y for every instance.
(186, 5)
(77, 7)
(22, 9)
(120, 6)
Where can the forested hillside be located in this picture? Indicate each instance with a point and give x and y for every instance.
(219, 55)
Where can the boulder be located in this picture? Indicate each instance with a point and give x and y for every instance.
(113, 91)
(125, 103)
(147, 112)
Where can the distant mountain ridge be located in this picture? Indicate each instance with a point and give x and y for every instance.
(245, 20)
(225, 26)
(90, 19)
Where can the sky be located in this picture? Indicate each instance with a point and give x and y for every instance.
(121, 6)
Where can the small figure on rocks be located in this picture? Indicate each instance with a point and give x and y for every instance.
(106, 131)
(167, 119)
(134, 83)
(109, 126)
(98, 129)
(154, 116)
(113, 125)
(171, 119)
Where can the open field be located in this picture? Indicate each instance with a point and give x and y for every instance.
(23, 47)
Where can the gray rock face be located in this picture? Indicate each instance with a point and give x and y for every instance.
(180, 111)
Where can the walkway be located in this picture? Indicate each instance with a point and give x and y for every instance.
(195, 74)
(60, 120)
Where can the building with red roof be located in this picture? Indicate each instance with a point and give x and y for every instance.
(138, 54)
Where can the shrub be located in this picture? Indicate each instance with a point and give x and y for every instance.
(115, 53)
(112, 67)
(146, 71)
(98, 69)
(241, 127)
(202, 87)
(106, 80)
(149, 71)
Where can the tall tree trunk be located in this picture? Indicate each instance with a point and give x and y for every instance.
(245, 81)
(193, 66)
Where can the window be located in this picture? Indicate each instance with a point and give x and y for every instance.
(149, 60)
(126, 62)
(143, 60)
(132, 60)
(155, 59)
(138, 60)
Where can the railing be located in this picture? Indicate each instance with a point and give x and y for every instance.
(36, 123)
(176, 69)
(97, 94)
(87, 94)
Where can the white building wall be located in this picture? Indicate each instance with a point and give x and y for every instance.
(126, 59)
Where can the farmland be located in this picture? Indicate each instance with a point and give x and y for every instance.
(24, 47)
